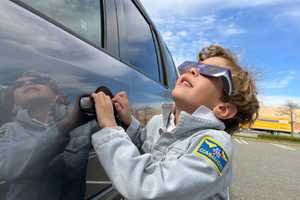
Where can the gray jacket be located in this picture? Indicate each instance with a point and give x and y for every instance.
(193, 161)
(37, 162)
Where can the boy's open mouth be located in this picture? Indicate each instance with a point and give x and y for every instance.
(30, 88)
(184, 81)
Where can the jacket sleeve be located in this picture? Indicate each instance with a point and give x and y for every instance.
(29, 156)
(137, 133)
(138, 176)
(76, 154)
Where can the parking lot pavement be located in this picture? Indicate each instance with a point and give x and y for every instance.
(265, 170)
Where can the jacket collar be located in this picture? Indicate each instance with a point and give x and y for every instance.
(203, 118)
(24, 118)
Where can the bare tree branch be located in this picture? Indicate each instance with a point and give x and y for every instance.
(289, 109)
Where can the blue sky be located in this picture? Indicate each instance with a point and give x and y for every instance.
(265, 34)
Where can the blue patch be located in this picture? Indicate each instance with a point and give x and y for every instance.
(212, 151)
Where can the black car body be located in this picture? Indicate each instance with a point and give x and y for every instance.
(81, 44)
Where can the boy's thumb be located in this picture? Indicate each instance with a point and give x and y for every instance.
(118, 107)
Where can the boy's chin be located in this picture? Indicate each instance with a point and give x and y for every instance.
(177, 93)
(181, 97)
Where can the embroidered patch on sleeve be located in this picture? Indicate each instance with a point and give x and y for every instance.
(213, 152)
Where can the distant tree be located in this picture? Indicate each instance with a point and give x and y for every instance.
(149, 112)
(289, 110)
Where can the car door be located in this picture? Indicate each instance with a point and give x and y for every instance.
(47, 38)
(77, 46)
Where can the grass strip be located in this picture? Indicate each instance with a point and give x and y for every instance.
(279, 138)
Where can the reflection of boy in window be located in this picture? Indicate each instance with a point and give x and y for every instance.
(39, 157)
(37, 94)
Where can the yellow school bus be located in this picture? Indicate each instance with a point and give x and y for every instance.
(273, 124)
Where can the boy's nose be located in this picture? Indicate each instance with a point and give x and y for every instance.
(28, 82)
(194, 72)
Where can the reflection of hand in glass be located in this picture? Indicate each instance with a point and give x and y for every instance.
(74, 119)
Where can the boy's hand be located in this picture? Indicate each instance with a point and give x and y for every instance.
(122, 107)
(104, 110)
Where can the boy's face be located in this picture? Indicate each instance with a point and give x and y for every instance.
(193, 89)
(32, 89)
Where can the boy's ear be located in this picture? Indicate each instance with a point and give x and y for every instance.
(225, 110)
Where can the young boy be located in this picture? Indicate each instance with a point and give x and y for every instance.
(184, 153)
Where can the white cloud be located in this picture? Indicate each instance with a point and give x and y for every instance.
(185, 36)
(277, 100)
(231, 30)
(182, 33)
(289, 18)
(278, 81)
(293, 12)
(189, 25)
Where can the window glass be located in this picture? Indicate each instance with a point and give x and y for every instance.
(81, 16)
(39, 158)
(136, 40)
(40, 154)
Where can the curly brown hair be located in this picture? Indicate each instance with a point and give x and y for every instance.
(244, 95)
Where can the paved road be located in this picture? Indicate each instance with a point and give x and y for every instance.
(265, 171)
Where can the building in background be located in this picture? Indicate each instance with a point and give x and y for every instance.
(277, 119)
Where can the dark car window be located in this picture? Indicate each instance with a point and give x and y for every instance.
(82, 17)
(137, 45)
